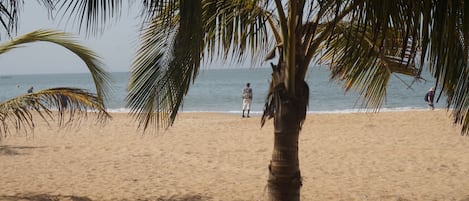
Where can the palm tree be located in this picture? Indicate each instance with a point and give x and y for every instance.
(364, 42)
(69, 102)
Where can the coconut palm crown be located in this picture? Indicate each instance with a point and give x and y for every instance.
(363, 41)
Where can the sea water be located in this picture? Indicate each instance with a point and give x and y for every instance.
(219, 90)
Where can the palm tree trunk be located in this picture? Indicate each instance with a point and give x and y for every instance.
(284, 181)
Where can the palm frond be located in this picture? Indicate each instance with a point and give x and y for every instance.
(166, 66)
(100, 76)
(9, 15)
(447, 38)
(66, 102)
(235, 27)
(360, 63)
(10, 12)
(90, 15)
(159, 8)
(436, 31)
(172, 48)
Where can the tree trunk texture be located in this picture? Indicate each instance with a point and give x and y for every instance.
(284, 181)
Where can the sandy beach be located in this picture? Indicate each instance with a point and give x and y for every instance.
(415, 155)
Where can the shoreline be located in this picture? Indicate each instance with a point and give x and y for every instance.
(412, 155)
(346, 111)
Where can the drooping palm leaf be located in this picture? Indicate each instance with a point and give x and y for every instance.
(440, 28)
(163, 9)
(236, 27)
(364, 65)
(430, 28)
(435, 31)
(179, 34)
(169, 58)
(49, 103)
(166, 66)
(143, 83)
(447, 37)
(90, 15)
(9, 15)
(10, 12)
(100, 76)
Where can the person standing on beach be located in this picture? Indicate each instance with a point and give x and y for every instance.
(30, 90)
(247, 98)
(429, 97)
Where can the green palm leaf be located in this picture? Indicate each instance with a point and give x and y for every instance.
(166, 66)
(100, 76)
(76, 102)
(447, 37)
(18, 111)
(173, 47)
(436, 31)
(10, 11)
(367, 66)
(90, 15)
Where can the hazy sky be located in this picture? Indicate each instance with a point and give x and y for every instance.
(116, 46)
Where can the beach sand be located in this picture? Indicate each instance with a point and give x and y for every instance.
(415, 155)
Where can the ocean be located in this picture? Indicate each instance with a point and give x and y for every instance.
(219, 90)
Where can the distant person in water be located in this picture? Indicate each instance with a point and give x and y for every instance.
(429, 98)
(30, 90)
(247, 99)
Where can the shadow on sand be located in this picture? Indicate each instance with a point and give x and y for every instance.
(47, 197)
(182, 198)
(8, 150)
(43, 197)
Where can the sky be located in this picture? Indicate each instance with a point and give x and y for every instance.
(116, 46)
